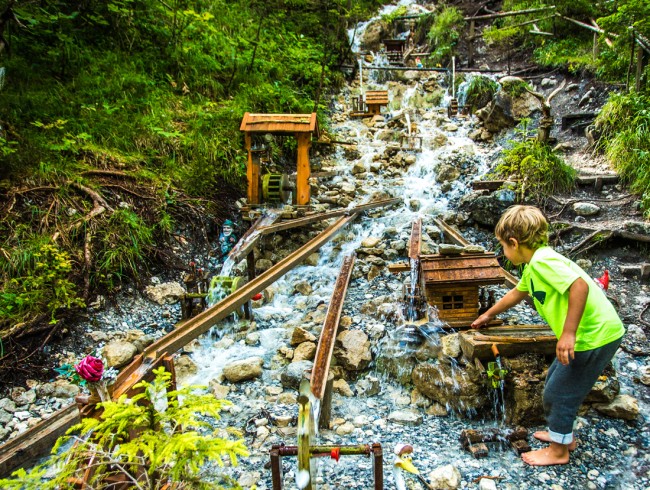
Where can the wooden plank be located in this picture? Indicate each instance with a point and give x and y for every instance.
(532, 338)
(38, 440)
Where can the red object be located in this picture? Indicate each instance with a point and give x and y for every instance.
(603, 281)
(336, 453)
(90, 368)
(257, 297)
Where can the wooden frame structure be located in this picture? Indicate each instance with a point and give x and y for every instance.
(374, 101)
(302, 126)
(395, 50)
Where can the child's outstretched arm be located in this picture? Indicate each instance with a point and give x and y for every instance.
(578, 292)
(512, 298)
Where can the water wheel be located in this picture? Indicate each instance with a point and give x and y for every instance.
(276, 188)
(222, 286)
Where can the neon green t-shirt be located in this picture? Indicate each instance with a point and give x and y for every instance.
(547, 278)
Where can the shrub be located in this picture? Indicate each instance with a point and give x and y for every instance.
(624, 122)
(444, 33)
(479, 92)
(158, 437)
(538, 171)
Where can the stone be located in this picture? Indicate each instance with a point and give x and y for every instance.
(312, 259)
(370, 242)
(458, 389)
(262, 265)
(451, 345)
(585, 209)
(61, 388)
(165, 293)
(368, 386)
(342, 387)
(345, 429)
(243, 370)
(406, 417)
(218, 390)
(185, 368)
(352, 350)
(449, 249)
(248, 479)
(437, 410)
(305, 351)
(139, 339)
(300, 335)
(303, 287)
(445, 478)
(252, 338)
(287, 398)
(548, 82)
(487, 484)
(447, 173)
(645, 375)
(119, 353)
(622, 407)
(22, 396)
(294, 373)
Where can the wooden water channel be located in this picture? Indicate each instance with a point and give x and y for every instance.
(39, 439)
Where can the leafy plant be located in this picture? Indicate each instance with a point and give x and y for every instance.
(538, 171)
(44, 288)
(624, 122)
(479, 92)
(158, 437)
(444, 34)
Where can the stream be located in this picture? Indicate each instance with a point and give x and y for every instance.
(390, 413)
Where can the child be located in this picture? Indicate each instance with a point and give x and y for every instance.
(588, 328)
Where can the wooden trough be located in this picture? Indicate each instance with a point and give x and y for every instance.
(511, 340)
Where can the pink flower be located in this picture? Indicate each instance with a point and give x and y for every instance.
(90, 368)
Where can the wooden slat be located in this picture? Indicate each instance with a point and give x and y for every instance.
(38, 440)
(280, 123)
(530, 338)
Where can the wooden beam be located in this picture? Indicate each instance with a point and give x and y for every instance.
(37, 440)
(252, 172)
(303, 190)
(509, 14)
(510, 340)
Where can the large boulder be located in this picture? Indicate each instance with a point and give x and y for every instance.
(352, 350)
(119, 353)
(243, 370)
(486, 209)
(509, 105)
(165, 293)
(461, 390)
(374, 33)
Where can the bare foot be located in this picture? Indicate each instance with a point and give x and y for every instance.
(552, 455)
(544, 436)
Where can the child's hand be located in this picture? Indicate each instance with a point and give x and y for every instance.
(565, 348)
(481, 321)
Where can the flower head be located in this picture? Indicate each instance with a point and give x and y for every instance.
(90, 368)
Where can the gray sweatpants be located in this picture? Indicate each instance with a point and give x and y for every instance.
(567, 386)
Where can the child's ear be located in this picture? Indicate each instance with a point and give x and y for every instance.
(514, 243)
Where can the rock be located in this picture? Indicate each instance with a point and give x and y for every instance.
(345, 429)
(303, 287)
(406, 417)
(312, 259)
(370, 242)
(375, 32)
(185, 368)
(165, 293)
(262, 265)
(368, 386)
(604, 390)
(218, 390)
(446, 173)
(60, 388)
(445, 478)
(22, 396)
(460, 390)
(7, 405)
(450, 127)
(437, 410)
(119, 353)
(305, 351)
(548, 82)
(473, 249)
(645, 375)
(487, 484)
(449, 249)
(243, 370)
(252, 338)
(352, 350)
(294, 373)
(139, 339)
(622, 407)
(585, 209)
(5, 418)
(451, 345)
(248, 479)
(300, 335)
(342, 387)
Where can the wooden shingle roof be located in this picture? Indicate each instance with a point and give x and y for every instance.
(280, 123)
(377, 97)
(480, 269)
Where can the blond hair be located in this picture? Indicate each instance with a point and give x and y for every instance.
(526, 224)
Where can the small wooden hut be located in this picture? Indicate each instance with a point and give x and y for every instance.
(451, 283)
(375, 100)
(395, 50)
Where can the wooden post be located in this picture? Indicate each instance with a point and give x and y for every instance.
(470, 45)
(595, 50)
(302, 178)
(252, 172)
(640, 64)
(326, 404)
